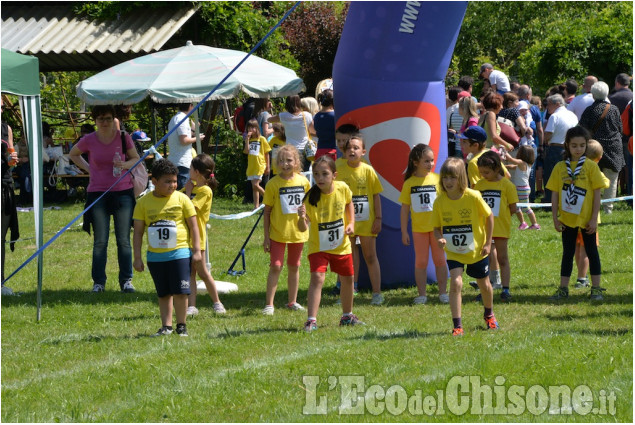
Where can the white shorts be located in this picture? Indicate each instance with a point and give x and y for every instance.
(259, 177)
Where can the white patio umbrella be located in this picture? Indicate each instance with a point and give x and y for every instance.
(188, 74)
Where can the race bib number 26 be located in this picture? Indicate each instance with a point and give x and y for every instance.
(291, 199)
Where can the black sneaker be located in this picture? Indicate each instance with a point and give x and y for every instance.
(596, 293)
(505, 295)
(181, 329)
(473, 284)
(561, 294)
(163, 331)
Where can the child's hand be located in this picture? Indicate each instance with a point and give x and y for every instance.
(302, 211)
(189, 185)
(266, 244)
(441, 242)
(376, 227)
(138, 264)
(486, 249)
(592, 226)
(350, 229)
(196, 256)
(558, 225)
(405, 239)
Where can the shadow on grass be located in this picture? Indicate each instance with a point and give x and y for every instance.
(234, 333)
(595, 332)
(404, 334)
(582, 297)
(569, 317)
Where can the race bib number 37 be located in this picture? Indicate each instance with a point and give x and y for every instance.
(162, 234)
(422, 198)
(459, 239)
(331, 234)
(361, 208)
(291, 199)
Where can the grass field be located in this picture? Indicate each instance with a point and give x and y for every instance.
(90, 358)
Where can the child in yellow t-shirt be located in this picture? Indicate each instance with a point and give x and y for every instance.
(420, 189)
(201, 185)
(173, 242)
(283, 197)
(365, 185)
(463, 225)
(278, 140)
(327, 211)
(256, 149)
(576, 184)
(500, 195)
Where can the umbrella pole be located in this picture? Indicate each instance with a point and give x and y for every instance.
(197, 131)
(153, 116)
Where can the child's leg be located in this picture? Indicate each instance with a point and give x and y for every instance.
(191, 299)
(165, 310)
(257, 191)
(456, 284)
(493, 266)
(180, 307)
(293, 270)
(201, 268)
(569, 235)
(532, 216)
(581, 261)
(593, 255)
(440, 265)
(369, 249)
(272, 283)
(356, 259)
(315, 293)
(487, 293)
(346, 293)
(503, 261)
(421, 243)
(519, 214)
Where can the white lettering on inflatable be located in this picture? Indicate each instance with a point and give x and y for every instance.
(410, 14)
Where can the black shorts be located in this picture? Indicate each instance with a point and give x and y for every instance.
(171, 277)
(478, 270)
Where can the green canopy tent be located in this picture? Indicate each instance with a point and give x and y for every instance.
(20, 77)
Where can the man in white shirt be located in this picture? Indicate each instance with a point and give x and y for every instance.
(583, 101)
(560, 121)
(497, 79)
(180, 144)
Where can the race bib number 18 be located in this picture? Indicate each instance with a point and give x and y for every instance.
(331, 234)
(422, 198)
(162, 234)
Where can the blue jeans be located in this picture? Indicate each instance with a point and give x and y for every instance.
(182, 177)
(532, 176)
(120, 205)
(554, 156)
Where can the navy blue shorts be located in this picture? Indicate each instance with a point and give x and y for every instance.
(478, 270)
(171, 277)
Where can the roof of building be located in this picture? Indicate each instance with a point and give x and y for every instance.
(63, 41)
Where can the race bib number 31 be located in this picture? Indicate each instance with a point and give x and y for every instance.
(422, 198)
(493, 199)
(459, 239)
(331, 234)
(162, 234)
(291, 199)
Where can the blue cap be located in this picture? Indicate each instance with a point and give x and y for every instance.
(474, 132)
(140, 136)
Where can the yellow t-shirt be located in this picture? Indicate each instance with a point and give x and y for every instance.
(164, 218)
(499, 196)
(284, 197)
(256, 163)
(462, 223)
(420, 193)
(364, 184)
(473, 175)
(328, 221)
(202, 202)
(575, 211)
(343, 161)
(275, 143)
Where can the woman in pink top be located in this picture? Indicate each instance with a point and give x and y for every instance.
(108, 161)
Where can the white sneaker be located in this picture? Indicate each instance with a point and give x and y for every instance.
(268, 310)
(219, 308)
(98, 287)
(7, 291)
(444, 298)
(127, 286)
(295, 307)
(378, 299)
(422, 299)
(192, 311)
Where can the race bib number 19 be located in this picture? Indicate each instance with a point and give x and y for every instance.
(331, 234)
(291, 199)
(162, 234)
(459, 239)
(422, 198)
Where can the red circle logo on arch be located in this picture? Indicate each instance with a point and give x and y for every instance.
(390, 130)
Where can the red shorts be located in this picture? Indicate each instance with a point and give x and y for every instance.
(276, 253)
(340, 264)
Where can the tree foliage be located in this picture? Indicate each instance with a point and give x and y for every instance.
(544, 43)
